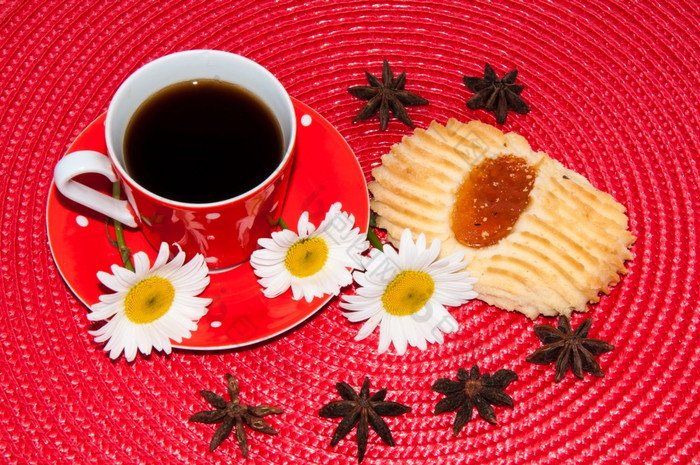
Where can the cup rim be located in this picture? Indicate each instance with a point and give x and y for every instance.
(286, 158)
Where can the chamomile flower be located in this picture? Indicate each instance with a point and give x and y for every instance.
(150, 306)
(313, 262)
(405, 294)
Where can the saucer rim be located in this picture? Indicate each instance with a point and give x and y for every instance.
(314, 307)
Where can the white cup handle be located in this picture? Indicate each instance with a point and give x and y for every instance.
(89, 161)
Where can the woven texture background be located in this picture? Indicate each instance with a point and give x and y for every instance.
(613, 87)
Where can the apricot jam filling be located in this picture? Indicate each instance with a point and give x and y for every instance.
(491, 199)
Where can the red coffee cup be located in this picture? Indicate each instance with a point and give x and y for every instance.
(224, 231)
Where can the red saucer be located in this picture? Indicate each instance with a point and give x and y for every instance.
(326, 171)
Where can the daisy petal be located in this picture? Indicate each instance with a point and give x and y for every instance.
(162, 303)
(368, 327)
(399, 323)
(312, 262)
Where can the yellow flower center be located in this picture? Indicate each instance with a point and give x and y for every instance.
(306, 257)
(408, 292)
(149, 300)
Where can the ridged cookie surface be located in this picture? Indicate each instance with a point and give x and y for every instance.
(569, 244)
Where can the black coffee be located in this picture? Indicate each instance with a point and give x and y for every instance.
(202, 141)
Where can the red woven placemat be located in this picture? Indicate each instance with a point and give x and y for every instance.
(613, 87)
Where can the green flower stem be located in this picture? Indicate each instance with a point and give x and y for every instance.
(124, 251)
(374, 240)
(282, 224)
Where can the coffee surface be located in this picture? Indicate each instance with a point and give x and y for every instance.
(202, 141)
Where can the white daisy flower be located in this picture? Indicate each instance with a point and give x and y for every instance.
(313, 262)
(150, 306)
(405, 294)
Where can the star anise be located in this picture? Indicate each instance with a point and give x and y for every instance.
(569, 348)
(472, 390)
(389, 94)
(234, 414)
(362, 410)
(496, 95)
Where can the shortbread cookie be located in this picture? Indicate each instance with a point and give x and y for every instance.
(558, 243)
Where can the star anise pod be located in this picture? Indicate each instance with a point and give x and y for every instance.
(569, 348)
(496, 95)
(234, 414)
(389, 94)
(362, 410)
(473, 390)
